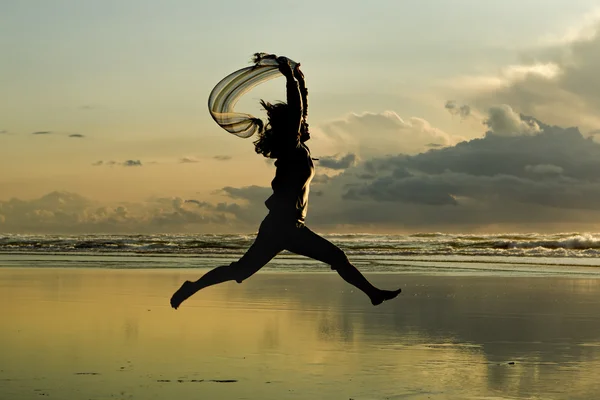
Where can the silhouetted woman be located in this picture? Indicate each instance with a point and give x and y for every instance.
(283, 229)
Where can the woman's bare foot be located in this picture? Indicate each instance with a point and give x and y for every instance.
(384, 295)
(186, 290)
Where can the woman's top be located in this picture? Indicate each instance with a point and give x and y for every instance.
(291, 184)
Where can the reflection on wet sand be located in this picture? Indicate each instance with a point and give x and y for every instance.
(97, 334)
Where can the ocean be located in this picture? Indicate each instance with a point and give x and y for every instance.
(530, 254)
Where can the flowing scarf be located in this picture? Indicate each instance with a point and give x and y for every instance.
(228, 91)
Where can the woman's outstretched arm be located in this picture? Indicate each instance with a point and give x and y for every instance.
(303, 91)
(294, 99)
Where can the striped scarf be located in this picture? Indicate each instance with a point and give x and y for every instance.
(228, 91)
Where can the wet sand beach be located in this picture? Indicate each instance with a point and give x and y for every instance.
(100, 334)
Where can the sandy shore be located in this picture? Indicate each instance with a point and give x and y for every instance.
(98, 334)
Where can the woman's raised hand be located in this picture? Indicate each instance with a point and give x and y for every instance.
(284, 67)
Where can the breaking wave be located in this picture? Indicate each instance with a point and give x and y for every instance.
(426, 244)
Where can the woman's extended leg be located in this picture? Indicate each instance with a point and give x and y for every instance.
(258, 255)
(307, 243)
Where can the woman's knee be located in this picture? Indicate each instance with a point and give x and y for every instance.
(240, 272)
(340, 260)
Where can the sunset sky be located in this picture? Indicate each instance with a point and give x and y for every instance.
(426, 115)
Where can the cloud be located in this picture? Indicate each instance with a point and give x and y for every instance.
(64, 212)
(320, 179)
(505, 77)
(198, 203)
(549, 180)
(501, 182)
(338, 163)
(175, 213)
(56, 208)
(132, 163)
(249, 193)
(498, 179)
(375, 134)
(72, 135)
(418, 190)
(544, 169)
(585, 29)
(127, 163)
(2, 131)
(463, 111)
(222, 158)
(251, 207)
(504, 121)
(188, 160)
(556, 82)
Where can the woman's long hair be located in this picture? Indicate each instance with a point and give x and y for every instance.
(270, 137)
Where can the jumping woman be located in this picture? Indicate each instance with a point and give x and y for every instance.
(283, 139)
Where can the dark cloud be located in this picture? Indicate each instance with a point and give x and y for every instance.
(72, 135)
(188, 160)
(338, 163)
(579, 157)
(366, 176)
(427, 191)
(252, 208)
(198, 203)
(249, 193)
(546, 169)
(127, 163)
(453, 108)
(3, 131)
(222, 158)
(233, 208)
(449, 188)
(175, 214)
(320, 178)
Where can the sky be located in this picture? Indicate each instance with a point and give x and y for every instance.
(430, 115)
